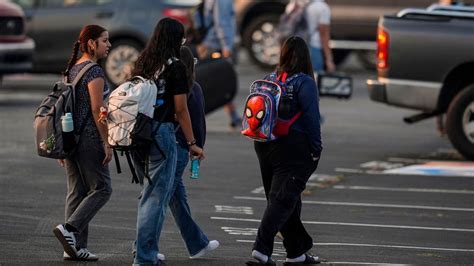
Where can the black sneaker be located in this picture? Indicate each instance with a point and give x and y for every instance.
(309, 260)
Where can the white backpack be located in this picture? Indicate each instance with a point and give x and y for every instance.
(130, 116)
(125, 103)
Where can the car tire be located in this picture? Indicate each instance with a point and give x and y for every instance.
(261, 41)
(460, 122)
(120, 60)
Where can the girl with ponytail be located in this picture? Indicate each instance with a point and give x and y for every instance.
(88, 178)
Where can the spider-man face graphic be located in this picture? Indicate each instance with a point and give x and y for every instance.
(255, 112)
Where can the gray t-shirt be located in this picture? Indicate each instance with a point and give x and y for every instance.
(82, 110)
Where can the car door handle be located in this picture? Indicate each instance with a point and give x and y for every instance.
(104, 14)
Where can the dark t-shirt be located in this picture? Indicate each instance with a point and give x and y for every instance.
(171, 82)
(198, 119)
(82, 111)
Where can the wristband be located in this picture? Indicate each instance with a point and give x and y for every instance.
(192, 142)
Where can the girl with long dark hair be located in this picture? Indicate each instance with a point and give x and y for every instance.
(160, 62)
(88, 183)
(288, 162)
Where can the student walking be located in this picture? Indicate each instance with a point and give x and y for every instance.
(159, 61)
(318, 15)
(88, 177)
(287, 162)
(196, 241)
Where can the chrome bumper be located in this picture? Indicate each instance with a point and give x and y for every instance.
(411, 94)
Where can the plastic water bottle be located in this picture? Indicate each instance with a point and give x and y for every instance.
(67, 125)
(194, 167)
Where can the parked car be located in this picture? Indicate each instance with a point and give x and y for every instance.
(425, 62)
(16, 49)
(353, 26)
(55, 24)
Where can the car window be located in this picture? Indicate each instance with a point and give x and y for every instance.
(25, 4)
(73, 3)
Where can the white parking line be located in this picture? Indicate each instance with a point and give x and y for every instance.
(376, 246)
(466, 230)
(370, 205)
(234, 209)
(349, 170)
(423, 190)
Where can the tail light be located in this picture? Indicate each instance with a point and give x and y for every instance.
(382, 49)
(180, 15)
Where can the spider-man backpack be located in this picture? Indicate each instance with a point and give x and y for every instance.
(266, 106)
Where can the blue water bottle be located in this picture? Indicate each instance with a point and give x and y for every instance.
(194, 167)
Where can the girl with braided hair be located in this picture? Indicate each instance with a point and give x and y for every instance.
(88, 177)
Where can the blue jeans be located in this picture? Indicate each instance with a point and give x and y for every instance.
(317, 59)
(192, 235)
(156, 196)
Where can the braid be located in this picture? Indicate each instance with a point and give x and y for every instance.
(73, 59)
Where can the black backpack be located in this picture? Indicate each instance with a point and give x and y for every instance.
(50, 142)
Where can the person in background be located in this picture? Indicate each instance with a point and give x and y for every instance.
(88, 176)
(287, 162)
(318, 16)
(219, 18)
(159, 61)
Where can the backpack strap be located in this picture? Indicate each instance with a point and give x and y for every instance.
(282, 77)
(82, 72)
(117, 161)
(132, 168)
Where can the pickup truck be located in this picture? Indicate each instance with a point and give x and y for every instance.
(353, 26)
(426, 62)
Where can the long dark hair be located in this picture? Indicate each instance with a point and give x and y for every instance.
(187, 58)
(295, 58)
(89, 32)
(164, 44)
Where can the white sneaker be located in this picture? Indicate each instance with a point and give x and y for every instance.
(213, 244)
(161, 257)
(67, 239)
(82, 254)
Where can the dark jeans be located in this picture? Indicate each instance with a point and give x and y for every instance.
(285, 164)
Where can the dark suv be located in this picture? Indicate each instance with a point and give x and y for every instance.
(55, 24)
(16, 49)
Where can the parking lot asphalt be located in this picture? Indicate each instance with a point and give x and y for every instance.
(374, 199)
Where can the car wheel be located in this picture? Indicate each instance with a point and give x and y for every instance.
(367, 59)
(460, 122)
(261, 41)
(120, 60)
